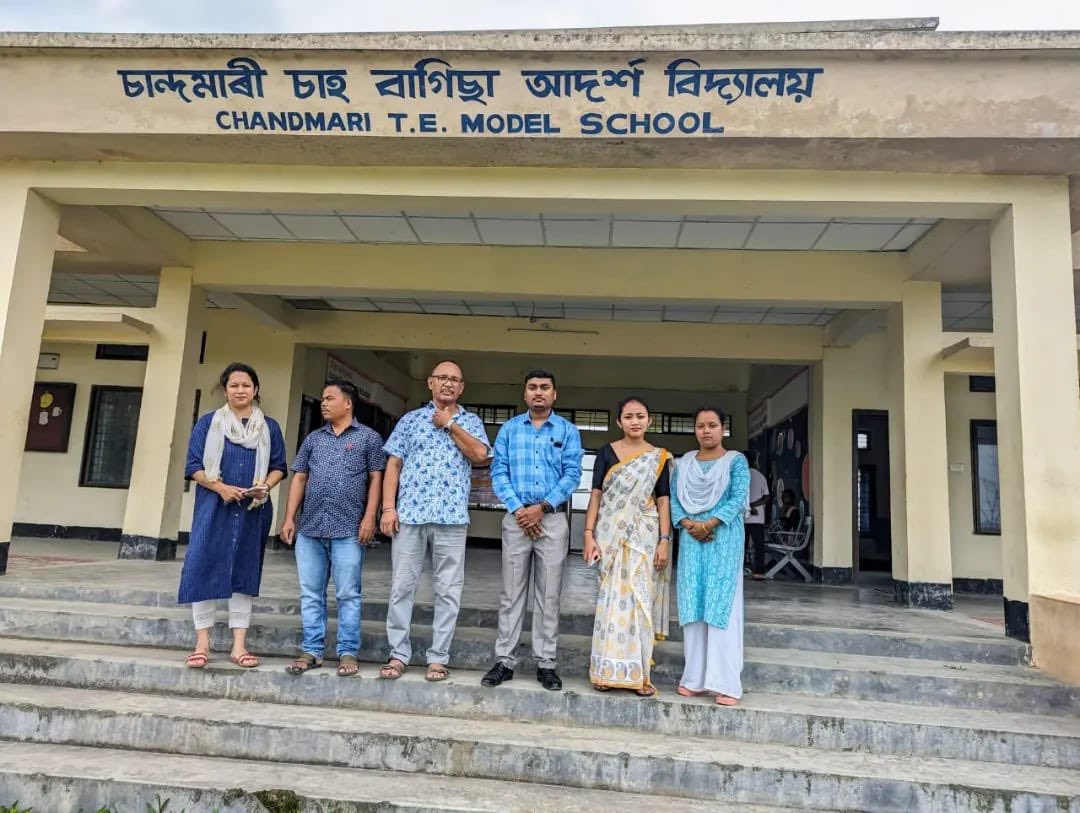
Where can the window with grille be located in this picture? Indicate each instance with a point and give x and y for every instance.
(110, 437)
(679, 425)
(591, 420)
(492, 415)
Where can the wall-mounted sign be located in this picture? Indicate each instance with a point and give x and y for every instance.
(49, 426)
(432, 96)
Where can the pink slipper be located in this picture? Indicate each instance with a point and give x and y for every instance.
(684, 692)
(724, 700)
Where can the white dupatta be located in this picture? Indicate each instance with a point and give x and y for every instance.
(255, 434)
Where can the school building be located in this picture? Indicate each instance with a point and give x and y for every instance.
(859, 239)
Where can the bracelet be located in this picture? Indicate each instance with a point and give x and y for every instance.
(588, 530)
(389, 508)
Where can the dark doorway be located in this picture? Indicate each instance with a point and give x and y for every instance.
(310, 418)
(871, 530)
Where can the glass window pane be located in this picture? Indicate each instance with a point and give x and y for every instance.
(591, 420)
(985, 475)
(110, 446)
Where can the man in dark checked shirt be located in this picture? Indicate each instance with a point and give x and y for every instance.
(337, 477)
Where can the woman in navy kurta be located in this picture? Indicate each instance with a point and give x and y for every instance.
(233, 512)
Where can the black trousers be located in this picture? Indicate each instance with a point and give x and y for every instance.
(755, 541)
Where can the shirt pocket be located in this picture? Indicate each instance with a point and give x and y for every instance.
(356, 461)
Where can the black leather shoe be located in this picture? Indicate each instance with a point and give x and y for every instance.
(548, 679)
(499, 673)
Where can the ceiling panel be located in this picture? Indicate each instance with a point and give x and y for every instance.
(196, 224)
(253, 226)
(907, 236)
(378, 229)
(581, 233)
(645, 233)
(486, 227)
(446, 229)
(398, 305)
(784, 236)
(713, 235)
(317, 227)
(504, 232)
(857, 236)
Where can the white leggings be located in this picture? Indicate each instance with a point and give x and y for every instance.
(239, 612)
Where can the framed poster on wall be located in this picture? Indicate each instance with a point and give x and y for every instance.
(49, 426)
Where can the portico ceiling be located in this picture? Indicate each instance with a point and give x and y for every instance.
(541, 229)
(961, 311)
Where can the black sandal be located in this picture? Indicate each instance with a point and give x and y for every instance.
(303, 663)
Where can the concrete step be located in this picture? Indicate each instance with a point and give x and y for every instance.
(795, 720)
(860, 630)
(889, 679)
(595, 758)
(73, 779)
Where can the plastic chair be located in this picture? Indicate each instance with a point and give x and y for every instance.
(789, 543)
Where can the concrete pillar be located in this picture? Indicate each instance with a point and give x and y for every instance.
(1038, 416)
(28, 225)
(918, 454)
(831, 460)
(152, 513)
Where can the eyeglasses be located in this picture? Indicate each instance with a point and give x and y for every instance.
(449, 379)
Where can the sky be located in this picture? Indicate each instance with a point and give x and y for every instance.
(252, 16)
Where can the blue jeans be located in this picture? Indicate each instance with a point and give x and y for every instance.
(317, 559)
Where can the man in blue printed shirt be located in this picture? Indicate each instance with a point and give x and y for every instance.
(338, 479)
(426, 502)
(537, 466)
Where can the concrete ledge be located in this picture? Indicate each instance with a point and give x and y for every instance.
(541, 753)
(73, 779)
(1055, 640)
(92, 533)
(928, 595)
(777, 671)
(133, 546)
(794, 720)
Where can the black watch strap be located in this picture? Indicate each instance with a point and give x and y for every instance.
(547, 507)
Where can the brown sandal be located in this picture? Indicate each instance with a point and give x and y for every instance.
(245, 660)
(348, 666)
(303, 663)
(392, 669)
(645, 691)
(197, 659)
(436, 673)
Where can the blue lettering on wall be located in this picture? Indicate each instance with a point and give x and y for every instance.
(508, 124)
(594, 123)
(293, 121)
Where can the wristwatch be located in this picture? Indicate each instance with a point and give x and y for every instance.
(665, 537)
(547, 507)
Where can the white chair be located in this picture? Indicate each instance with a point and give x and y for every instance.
(787, 544)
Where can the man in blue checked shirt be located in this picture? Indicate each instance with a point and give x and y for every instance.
(536, 467)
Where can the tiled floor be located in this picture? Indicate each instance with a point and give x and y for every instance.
(75, 562)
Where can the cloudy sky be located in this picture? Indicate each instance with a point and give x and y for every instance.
(408, 15)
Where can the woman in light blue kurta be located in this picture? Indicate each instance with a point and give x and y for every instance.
(709, 499)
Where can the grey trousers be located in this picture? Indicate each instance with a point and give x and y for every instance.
(407, 554)
(545, 556)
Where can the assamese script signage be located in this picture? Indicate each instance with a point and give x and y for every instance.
(431, 97)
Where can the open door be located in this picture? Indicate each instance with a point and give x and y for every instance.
(871, 529)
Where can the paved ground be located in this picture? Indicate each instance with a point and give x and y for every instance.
(75, 562)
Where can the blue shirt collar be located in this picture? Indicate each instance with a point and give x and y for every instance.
(328, 427)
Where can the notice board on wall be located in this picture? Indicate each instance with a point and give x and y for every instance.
(49, 426)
